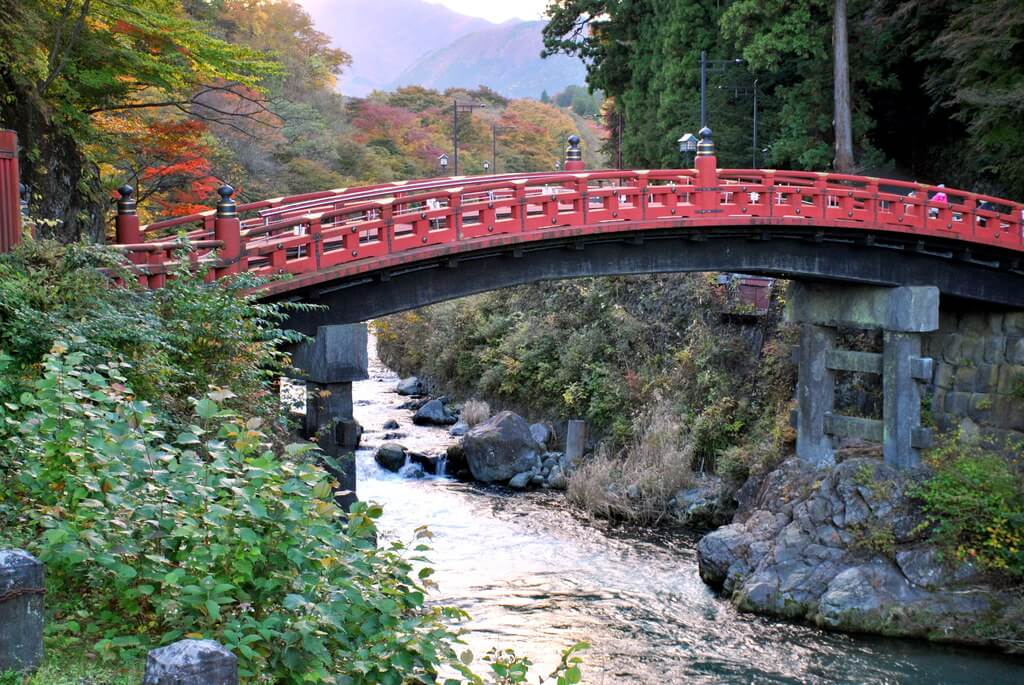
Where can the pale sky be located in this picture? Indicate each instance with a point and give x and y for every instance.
(497, 10)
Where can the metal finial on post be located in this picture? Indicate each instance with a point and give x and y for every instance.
(573, 154)
(226, 207)
(706, 146)
(126, 223)
(126, 205)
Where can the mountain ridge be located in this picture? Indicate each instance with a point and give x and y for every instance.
(505, 57)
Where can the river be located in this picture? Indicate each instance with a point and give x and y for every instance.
(537, 577)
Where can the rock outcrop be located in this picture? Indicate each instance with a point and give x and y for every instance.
(846, 548)
(500, 448)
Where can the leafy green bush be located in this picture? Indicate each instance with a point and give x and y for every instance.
(208, 532)
(974, 504)
(179, 340)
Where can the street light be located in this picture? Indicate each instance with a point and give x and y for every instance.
(558, 166)
(443, 162)
(487, 166)
(717, 65)
(456, 108)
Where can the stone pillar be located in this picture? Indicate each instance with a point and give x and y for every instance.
(191, 662)
(21, 611)
(329, 364)
(903, 314)
(575, 440)
(815, 395)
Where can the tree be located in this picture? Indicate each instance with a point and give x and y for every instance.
(841, 75)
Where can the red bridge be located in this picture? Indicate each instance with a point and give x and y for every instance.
(373, 250)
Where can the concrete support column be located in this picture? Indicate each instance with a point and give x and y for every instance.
(329, 364)
(815, 395)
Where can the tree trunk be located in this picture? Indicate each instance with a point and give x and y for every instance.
(841, 72)
(65, 193)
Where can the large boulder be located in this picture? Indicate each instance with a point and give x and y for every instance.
(390, 456)
(433, 413)
(410, 386)
(500, 448)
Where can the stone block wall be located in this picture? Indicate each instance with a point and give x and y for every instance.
(979, 372)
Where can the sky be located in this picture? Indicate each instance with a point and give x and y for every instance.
(493, 10)
(497, 10)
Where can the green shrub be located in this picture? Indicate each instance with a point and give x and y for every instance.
(974, 504)
(208, 532)
(180, 340)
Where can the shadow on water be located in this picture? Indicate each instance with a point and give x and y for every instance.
(536, 576)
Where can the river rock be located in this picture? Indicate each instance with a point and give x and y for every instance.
(459, 429)
(390, 456)
(433, 413)
(520, 480)
(703, 505)
(410, 386)
(500, 448)
(457, 466)
(430, 463)
(834, 547)
(557, 479)
(390, 424)
(541, 433)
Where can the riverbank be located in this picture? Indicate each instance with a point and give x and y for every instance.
(535, 574)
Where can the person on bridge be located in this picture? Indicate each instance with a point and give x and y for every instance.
(938, 197)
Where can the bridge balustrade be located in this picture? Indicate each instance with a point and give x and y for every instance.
(305, 233)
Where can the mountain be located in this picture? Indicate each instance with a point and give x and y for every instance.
(385, 36)
(505, 58)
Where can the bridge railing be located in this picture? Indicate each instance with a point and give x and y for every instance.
(317, 231)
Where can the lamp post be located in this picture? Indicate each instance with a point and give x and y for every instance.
(487, 167)
(558, 166)
(716, 65)
(443, 163)
(687, 145)
(456, 108)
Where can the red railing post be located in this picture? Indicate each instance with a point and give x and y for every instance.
(228, 229)
(126, 223)
(708, 197)
(573, 155)
(10, 192)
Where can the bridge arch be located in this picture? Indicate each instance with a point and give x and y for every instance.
(851, 258)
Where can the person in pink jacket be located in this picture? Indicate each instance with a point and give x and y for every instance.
(938, 197)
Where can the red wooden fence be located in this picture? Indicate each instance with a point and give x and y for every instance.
(10, 197)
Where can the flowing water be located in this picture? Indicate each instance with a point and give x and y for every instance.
(537, 577)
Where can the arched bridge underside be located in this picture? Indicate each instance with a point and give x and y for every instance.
(367, 252)
(779, 253)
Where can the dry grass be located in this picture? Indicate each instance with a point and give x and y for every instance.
(475, 411)
(652, 470)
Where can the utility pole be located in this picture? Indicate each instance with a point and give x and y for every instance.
(466, 107)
